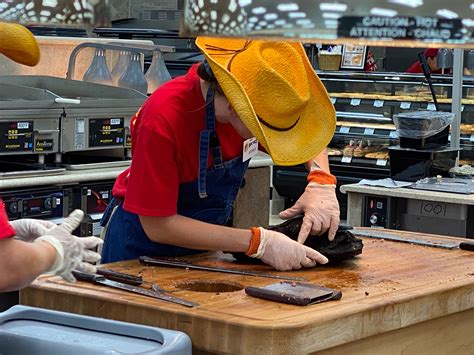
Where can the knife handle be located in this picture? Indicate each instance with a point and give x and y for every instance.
(121, 277)
(466, 246)
(82, 276)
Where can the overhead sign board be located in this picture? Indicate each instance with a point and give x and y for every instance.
(442, 23)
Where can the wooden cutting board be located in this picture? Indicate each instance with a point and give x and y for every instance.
(397, 297)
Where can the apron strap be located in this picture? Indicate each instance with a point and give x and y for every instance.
(211, 127)
(208, 139)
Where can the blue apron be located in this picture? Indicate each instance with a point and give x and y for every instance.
(209, 199)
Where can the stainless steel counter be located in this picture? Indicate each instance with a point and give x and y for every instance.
(71, 177)
(410, 210)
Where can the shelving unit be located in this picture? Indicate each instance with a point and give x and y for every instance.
(366, 102)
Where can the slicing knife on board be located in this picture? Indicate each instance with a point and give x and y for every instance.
(178, 263)
(158, 294)
(434, 242)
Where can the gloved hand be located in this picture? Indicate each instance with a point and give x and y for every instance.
(321, 211)
(73, 253)
(279, 251)
(28, 229)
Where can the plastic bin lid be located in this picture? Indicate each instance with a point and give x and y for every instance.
(27, 330)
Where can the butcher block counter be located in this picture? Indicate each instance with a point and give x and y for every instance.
(397, 298)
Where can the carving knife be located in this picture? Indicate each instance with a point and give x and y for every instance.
(188, 265)
(121, 277)
(434, 242)
(101, 280)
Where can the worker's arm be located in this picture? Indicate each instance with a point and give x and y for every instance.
(22, 262)
(321, 161)
(190, 233)
(318, 203)
(57, 252)
(271, 247)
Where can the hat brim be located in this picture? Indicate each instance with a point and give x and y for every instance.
(19, 44)
(306, 139)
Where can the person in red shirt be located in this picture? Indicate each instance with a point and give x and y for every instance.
(430, 54)
(188, 163)
(29, 247)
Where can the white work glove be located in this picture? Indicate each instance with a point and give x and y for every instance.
(73, 253)
(320, 207)
(28, 229)
(279, 251)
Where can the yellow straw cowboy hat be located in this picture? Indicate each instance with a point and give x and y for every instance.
(276, 93)
(18, 44)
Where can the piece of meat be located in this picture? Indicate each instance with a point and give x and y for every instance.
(344, 246)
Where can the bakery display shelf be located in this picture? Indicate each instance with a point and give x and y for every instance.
(465, 160)
(467, 145)
(467, 129)
(378, 163)
(414, 103)
(367, 132)
(467, 139)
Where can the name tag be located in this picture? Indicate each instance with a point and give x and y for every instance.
(250, 149)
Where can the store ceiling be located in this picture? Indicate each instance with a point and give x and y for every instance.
(327, 20)
(83, 13)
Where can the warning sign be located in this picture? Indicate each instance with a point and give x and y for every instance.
(400, 27)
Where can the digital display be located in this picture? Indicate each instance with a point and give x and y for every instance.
(106, 132)
(32, 204)
(16, 136)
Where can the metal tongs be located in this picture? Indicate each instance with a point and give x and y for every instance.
(427, 73)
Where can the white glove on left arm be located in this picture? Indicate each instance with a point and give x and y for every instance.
(28, 229)
(73, 253)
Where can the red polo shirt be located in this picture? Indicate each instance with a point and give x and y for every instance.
(165, 147)
(6, 230)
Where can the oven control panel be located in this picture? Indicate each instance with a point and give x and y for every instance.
(376, 212)
(34, 204)
(94, 198)
(16, 136)
(106, 132)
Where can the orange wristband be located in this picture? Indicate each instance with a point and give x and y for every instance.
(254, 242)
(322, 177)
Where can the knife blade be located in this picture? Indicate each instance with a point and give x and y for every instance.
(101, 280)
(163, 261)
(434, 242)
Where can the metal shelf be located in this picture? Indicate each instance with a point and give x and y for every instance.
(363, 163)
(403, 105)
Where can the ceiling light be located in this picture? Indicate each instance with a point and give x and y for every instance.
(468, 22)
(270, 17)
(259, 10)
(297, 15)
(409, 3)
(328, 6)
(331, 23)
(333, 15)
(377, 11)
(244, 3)
(288, 7)
(303, 21)
(447, 14)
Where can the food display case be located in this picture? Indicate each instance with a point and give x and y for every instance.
(365, 104)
